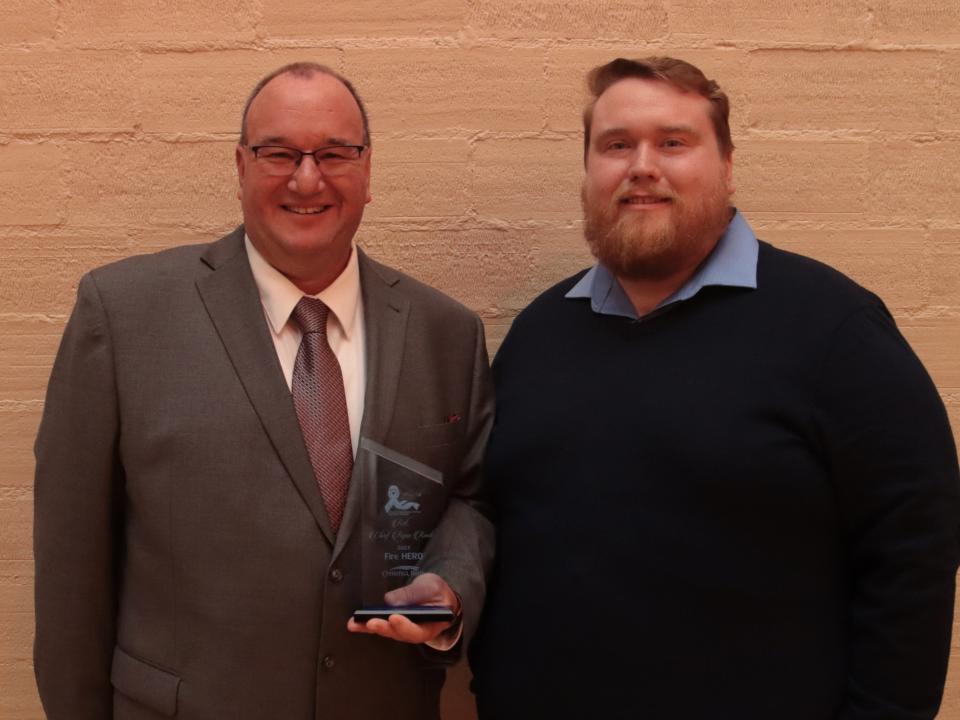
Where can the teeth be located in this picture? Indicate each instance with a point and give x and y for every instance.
(307, 211)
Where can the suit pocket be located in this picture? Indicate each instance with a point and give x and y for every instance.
(148, 685)
(441, 434)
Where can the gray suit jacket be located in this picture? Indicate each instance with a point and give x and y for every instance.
(185, 565)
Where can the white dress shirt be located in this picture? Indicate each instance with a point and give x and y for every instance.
(345, 328)
(346, 334)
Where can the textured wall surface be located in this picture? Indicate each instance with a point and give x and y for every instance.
(118, 120)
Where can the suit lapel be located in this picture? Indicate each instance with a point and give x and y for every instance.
(385, 312)
(230, 296)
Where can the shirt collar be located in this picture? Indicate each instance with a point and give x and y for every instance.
(279, 295)
(732, 263)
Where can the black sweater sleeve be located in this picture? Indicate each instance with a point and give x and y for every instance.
(893, 461)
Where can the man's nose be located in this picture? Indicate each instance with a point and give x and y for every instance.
(644, 163)
(307, 178)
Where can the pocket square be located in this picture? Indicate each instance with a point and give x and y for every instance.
(453, 418)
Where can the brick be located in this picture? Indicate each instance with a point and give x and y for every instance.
(495, 271)
(944, 267)
(801, 178)
(20, 701)
(567, 69)
(478, 89)
(936, 341)
(480, 267)
(16, 586)
(528, 178)
(72, 90)
(219, 84)
(26, 356)
(151, 183)
(16, 634)
(914, 182)
(765, 22)
(41, 271)
(950, 708)
(949, 118)
(27, 21)
(361, 18)
(33, 190)
(830, 90)
(160, 22)
(496, 329)
(419, 178)
(890, 262)
(919, 21)
(18, 430)
(636, 20)
(16, 519)
(558, 252)
(151, 240)
(953, 681)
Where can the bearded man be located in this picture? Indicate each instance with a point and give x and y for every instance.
(726, 487)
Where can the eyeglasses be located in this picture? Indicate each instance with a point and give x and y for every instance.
(331, 160)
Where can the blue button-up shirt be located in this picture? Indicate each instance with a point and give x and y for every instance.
(733, 263)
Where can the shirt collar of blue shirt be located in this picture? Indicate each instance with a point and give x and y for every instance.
(732, 263)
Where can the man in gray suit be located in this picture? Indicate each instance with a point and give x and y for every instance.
(197, 524)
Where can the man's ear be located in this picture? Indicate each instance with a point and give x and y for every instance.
(367, 169)
(728, 174)
(241, 168)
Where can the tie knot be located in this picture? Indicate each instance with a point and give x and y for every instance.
(311, 315)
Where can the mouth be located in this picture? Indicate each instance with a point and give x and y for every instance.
(644, 200)
(306, 210)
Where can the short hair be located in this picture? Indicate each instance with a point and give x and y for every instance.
(678, 73)
(305, 70)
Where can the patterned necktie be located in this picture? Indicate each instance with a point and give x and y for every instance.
(321, 405)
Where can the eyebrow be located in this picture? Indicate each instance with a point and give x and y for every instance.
(678, 129)
(284, 142)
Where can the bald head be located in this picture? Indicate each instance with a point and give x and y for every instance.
(304, 70)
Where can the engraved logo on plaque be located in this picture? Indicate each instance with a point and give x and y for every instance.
(398, 506)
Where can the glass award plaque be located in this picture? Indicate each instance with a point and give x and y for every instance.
(402, 502)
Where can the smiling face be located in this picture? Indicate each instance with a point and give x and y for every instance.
(303, 223)
(657, 187)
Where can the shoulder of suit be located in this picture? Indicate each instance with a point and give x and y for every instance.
(152, 262)
(179, 259)
(171, 265)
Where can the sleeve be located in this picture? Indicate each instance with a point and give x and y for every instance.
(76, 504)
(893, 461)
(462, 547)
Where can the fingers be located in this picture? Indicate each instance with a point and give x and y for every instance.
(426, 589)
(399, 628)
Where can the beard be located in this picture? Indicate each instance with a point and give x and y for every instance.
(655, 245)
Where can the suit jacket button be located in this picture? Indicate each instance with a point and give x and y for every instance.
(336, 575)
(328, 662)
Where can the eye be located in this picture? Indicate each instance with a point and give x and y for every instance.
(277, 154)
(337, 153)
(673, 143)
(616, 146)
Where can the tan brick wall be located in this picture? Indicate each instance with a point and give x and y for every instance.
(117, 121)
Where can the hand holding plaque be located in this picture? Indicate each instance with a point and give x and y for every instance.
(402, 502)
